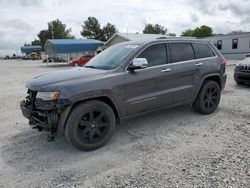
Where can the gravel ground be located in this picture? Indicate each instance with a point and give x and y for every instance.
(173, 148)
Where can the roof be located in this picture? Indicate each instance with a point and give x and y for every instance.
(136, 36)
(30, 49)
(232, 35)
(169, 39)
(73, 45)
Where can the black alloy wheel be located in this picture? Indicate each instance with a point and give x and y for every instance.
(211, 97)
(208, 98)
(90, 125)
(93, 126)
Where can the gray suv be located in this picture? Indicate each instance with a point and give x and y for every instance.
(126, 80)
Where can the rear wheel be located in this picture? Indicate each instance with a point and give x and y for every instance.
(208, 98)
(90, 125)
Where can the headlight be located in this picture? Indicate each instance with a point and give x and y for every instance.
(47, 96)
(237, 65)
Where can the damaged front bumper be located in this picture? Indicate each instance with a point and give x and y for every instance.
(43, 115)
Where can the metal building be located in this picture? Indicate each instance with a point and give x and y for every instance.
(233, 46)
(68, 49)
(29, 49)
(123, 37)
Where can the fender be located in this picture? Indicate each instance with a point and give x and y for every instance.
(206, 77)
(90, 96)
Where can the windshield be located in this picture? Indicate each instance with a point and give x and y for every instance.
(112, 57)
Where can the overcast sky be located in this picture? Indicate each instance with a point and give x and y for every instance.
(21, 20)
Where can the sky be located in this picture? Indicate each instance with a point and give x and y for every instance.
(21, 20)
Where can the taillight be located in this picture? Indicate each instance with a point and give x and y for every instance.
(225, 61)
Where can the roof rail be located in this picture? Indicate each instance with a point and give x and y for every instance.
(162, 38)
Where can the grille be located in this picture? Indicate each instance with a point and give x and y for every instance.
(245, 68)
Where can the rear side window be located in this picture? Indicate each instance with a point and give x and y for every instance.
(155, 55)
(202, 50)
(181, 52)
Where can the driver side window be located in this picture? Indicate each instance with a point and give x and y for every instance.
(155, 55)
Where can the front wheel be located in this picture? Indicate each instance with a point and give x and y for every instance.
(208, 98)
(90, 125)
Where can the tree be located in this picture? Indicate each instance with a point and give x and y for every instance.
(56, 30)
(199, 32)
(108, 31)
(187, 33)
(43, 36)
(203, 31)
(91, 29)
(154, 29)
(35, 42)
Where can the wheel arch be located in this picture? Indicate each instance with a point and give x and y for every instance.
(213, 77)
(65, 114)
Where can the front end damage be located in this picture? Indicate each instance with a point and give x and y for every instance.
(43, 115)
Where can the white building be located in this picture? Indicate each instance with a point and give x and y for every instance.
(123, 37)
(233, 46)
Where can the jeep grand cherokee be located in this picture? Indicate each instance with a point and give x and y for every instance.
(126, 80)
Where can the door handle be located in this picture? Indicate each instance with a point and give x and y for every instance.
(199, 64)
(165, 70)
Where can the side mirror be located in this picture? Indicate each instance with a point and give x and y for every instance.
(138, 63)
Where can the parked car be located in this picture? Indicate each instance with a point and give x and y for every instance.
(81, 61)
(242, 72)
(125, 81)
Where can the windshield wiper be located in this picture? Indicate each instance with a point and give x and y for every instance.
(90, 66)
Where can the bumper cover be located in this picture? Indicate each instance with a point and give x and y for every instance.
(44, 115)
(242, 76)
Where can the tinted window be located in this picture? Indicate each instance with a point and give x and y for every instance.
(181, 52)
(235, 43)
(155, 54)
(202, 50)
(219, 44)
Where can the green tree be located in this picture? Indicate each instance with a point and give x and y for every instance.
(187, 33)
(43, 36)
(203, 31)
(154, 29)
(35, 42)
(56, 30)
(199, 32)
(108, 31)
(91, 29)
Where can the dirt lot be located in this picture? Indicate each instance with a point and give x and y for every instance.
(174, 148)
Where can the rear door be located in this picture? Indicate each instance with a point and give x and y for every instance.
(186, 71)
(149, 88)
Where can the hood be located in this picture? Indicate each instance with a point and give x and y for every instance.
(246, 61)
(60, 78)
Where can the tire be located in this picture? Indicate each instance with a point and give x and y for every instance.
(90, 125)
(208, 98)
